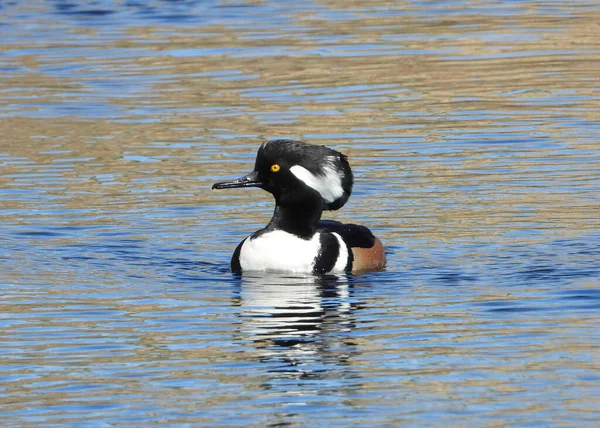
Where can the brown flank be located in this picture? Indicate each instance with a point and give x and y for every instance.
(369, 259)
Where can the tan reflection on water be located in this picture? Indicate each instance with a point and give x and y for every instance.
(419, 104)
(456, 69)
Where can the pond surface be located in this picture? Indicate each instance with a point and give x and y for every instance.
(473, 130)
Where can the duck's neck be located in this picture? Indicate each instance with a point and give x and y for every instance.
(299, 219)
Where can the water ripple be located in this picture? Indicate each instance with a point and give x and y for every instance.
(472, 132)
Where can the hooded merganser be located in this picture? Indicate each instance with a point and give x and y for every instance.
(305, 180)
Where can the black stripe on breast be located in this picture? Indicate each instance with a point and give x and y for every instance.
(235, 258)
(328, 253)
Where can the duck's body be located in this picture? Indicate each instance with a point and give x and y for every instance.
(305, 180)
(333, 248)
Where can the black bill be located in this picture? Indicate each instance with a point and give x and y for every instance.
(250, 180)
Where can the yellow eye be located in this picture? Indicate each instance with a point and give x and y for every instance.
(275, 168)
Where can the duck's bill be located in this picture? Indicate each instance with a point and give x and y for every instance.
(250, 180)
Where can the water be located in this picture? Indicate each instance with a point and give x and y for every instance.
(472, 128)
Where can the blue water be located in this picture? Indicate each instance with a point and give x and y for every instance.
(472, 130)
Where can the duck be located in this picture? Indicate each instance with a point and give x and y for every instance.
(305, 180)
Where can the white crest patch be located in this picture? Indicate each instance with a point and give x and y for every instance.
(342, 260)
(279, 251)
(328, 184)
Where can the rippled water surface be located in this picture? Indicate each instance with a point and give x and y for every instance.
(473, 131)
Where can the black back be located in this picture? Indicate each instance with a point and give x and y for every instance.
(354, 235)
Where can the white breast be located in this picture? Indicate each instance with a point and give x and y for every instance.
(279, 251)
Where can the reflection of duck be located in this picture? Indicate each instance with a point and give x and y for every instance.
(290, 308)
(305, 180)
(297, 321)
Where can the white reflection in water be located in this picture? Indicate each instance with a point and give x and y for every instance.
(297, 320)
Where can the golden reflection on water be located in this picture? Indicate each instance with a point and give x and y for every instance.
(472, 74)
(467, 125)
